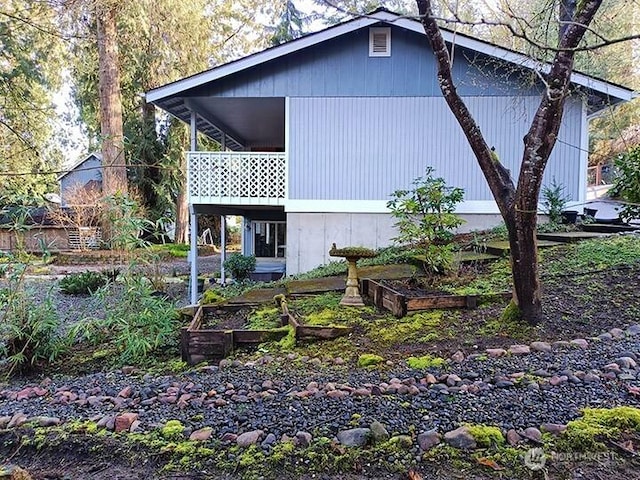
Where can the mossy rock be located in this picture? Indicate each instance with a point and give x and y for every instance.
(426, 361)
(369, 360)
(351, 252)
(486, 436)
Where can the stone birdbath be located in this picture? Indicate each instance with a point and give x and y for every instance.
(352, 295)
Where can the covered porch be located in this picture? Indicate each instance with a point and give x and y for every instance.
(246, 176)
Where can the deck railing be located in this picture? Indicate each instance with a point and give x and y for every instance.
(237, 178)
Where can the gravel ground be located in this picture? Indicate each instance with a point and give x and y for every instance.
(276, 394)
(283, 395)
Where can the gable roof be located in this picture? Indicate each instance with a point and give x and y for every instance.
(616, 92)
(80, 162)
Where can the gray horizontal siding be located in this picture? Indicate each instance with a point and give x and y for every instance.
(342, 67)
(366, 148)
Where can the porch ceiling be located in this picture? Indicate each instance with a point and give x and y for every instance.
(247, 122)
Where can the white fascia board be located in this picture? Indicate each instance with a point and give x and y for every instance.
(390, 18)
(257, 58)
(375, 206)
(511, 57)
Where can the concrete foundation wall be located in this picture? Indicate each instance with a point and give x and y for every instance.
(310, 235)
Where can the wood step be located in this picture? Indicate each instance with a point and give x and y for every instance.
(570, 237)
(475, 257)
(609, 228)
(501, 248)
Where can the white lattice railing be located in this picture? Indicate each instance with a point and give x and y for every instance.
(237, 178)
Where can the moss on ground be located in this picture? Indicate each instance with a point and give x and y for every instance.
(265, 318)
(172, 430)
(486, 436)
(426, 361)
(420, 327)
(369, 360)
(596, 425)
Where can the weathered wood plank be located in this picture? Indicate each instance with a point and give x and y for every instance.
(293, 321)
(196, 323)
(184, 345)
(442, 301)
(393, 301)
(257, 336)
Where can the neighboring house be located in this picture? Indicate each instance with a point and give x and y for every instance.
(87, 174)
(318, 132)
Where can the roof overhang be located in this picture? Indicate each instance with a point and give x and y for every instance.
(170, 97)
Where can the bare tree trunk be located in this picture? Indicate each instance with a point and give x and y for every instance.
(519, 206)
(114, 173)
(182, 217)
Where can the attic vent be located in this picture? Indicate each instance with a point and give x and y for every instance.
(380, 42)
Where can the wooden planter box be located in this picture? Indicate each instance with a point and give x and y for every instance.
(399, 304)
(200, 345)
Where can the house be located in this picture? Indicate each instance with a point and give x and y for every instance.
(85, 174)
(318, 132)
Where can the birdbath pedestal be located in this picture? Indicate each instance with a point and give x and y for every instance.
(352, 295)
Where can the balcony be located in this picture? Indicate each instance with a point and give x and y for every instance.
(237, 178)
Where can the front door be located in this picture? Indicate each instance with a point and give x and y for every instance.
(269, 239)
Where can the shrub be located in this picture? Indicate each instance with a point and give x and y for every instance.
(240, 266)
(136, 324)
(82, 283)
(627, 183)
(126, 219)
(426, 218)
(554, 201)
(29, 331)
(211, 297)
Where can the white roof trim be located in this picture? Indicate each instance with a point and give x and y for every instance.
(80, 162)
(258, 58)
(514, 57)
(353, 25)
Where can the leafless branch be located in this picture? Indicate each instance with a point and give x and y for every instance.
(519, 32)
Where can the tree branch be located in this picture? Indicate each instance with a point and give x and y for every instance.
(497, 175)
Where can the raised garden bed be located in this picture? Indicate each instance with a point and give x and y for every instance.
(207, 340)
(400, 303)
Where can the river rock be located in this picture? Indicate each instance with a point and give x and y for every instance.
(460, 438)
(428, 439)
(553, 428)
(201, 435)
(540, 346)
(123, 422)
(519, 349)
(354, 437)
(513, 438)
(249, 438)
(379, 433)
(303, 439)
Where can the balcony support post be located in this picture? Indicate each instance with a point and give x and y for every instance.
(223, 247)
(193, 224)
(193, 255)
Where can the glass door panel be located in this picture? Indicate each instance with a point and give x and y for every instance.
(269, 239)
